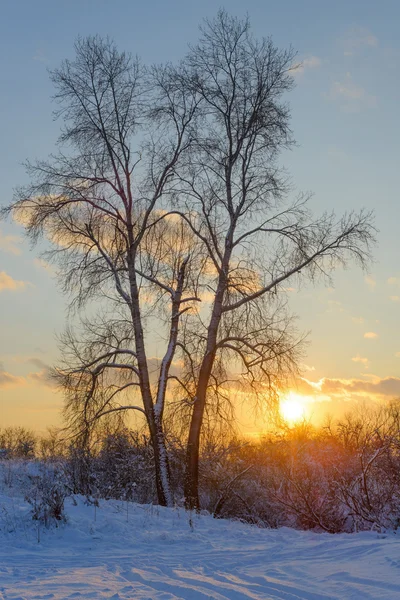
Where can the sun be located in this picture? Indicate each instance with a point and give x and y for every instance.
(292, 408)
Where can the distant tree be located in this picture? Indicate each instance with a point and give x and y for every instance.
(18, 442)
(166, 208)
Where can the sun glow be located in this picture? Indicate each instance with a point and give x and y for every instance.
(292, 408)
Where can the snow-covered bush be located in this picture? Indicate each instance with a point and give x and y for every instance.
(78, 470)
(46, 494)
(124, 467)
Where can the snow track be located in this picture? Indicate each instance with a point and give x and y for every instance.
(154, 553)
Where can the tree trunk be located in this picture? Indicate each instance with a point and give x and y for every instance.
(193, 447)
(154, 422)
(161, 464)
(191, 488)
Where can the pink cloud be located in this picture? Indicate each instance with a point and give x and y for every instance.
(8, 283)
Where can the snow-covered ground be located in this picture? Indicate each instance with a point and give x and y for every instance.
(151, 552)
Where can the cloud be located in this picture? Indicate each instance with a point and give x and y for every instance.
(309, 62)
(327, 389)
(358, 320)
(335, 306)
(41, 377)
(10, 244)
(389, 386)
(370, 281)
(38, 362)
(8, 380)
(394, 298)
(394, 281)
(397, 354)
(357, 39)
(348, 89)
(361, 359)
(304, 367)
(44, 375)
(33, 360)
(350, 96)
(8, 283)
(370, 335)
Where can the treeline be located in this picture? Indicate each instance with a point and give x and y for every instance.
(340, 477)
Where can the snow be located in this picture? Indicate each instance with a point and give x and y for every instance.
(147, 552)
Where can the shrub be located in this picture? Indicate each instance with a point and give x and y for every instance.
(46, 494)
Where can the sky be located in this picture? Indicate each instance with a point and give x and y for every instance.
(345, 121)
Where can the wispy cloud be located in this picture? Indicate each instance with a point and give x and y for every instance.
(348, 89)
(358, 320)
(395, 281)
(350, 96)
(10, 284)
(305, 367)
(361, 359)
(44, 375)
(40, 377)
(394, 298)
(370, 281)
(10, 243)
(8, 380)
(335, 306)
(38, 362)
(357, 39)
(370, 335)
(376, 388)
(305, 64)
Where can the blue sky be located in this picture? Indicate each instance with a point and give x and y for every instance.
(345, 119)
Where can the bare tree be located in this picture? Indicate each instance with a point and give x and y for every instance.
(167, 206)
(232, 196)
(125, 130)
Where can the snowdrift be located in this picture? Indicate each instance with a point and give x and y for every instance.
(128, 551)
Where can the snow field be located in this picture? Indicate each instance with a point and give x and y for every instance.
(130, 551)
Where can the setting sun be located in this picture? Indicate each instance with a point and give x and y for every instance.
(292, 407)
